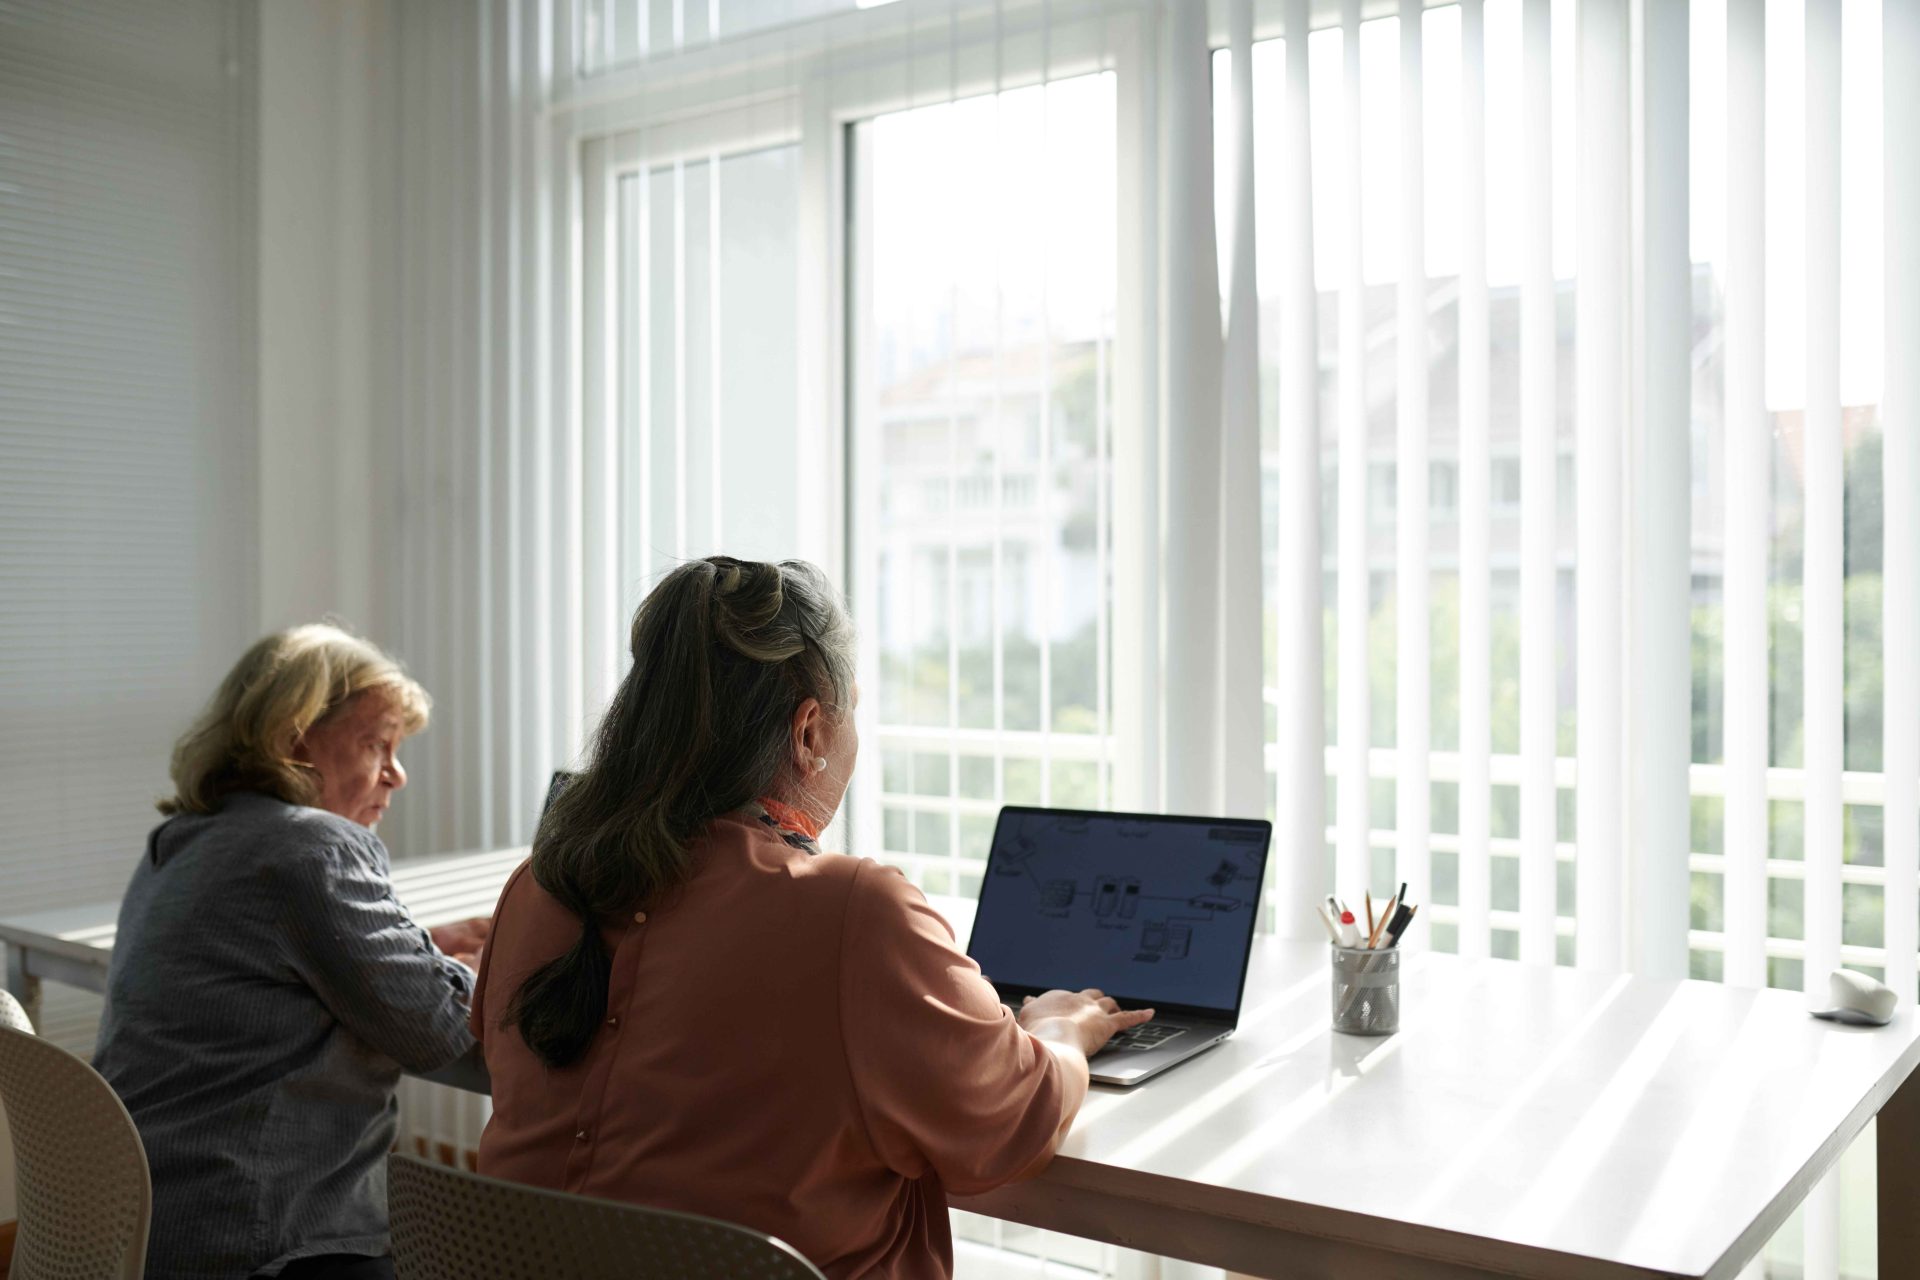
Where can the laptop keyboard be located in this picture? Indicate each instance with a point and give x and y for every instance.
(1148, 1035)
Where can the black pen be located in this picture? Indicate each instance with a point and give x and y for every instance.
(1401, 919)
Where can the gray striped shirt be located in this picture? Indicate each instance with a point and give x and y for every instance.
(266, 990)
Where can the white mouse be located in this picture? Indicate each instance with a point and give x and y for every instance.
(1857, 999)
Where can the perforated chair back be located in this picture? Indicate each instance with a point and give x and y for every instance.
(85, 1201)
(449, 1224)
(12, 1014)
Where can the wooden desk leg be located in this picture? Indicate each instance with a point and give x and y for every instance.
(23, 986)
(1897, 1144)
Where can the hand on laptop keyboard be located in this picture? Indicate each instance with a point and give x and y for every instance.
(1087, 1018)
(1148, 1035)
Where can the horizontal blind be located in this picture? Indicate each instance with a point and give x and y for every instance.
(127, 510)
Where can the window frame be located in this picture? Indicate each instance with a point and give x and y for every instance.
(720, 100)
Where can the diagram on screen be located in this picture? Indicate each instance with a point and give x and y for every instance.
(1175, 892)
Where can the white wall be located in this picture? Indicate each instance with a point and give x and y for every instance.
(318, 139)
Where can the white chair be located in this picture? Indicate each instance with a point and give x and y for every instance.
(80, 1170)
(12, 1014)
(449, 1224)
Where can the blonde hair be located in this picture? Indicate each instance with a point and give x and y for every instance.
(283, 686)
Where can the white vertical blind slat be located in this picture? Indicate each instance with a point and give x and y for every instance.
(1749, 458)
(1822, 607)
(681, 549)
(502, 662)
(868, 835)
(600, 331)
(569, 473)
(409, 824)
(1822, 556)
(1539, 447)
(1900, 418)
(1190, 334)
(1659, 695)
(716, 367)
(533, 347)
(1476, 643)
(1137, 473)
(1302, 723)
(1243, 665)
(563, 366)
(1599, 380)
(640, 342)
(459, 458)
(1354, 799)
(1413, 800)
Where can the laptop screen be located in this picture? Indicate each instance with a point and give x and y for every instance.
(1150, 909)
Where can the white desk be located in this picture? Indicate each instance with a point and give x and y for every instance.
(72, 945)
(1526, 1121)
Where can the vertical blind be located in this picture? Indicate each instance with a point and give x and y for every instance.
(1633, 465)
(1534, 353)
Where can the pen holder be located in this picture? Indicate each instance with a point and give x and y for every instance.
(1366, 991)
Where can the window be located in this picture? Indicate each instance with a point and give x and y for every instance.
(1506, 484)
(708, 325)
(981, 319)
(1443, 484)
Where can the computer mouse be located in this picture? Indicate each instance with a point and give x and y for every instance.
(1855, 998)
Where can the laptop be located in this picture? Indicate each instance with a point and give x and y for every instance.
(1154, 910)
(555, 785)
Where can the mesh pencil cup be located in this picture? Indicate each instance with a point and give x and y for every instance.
(1366, 991)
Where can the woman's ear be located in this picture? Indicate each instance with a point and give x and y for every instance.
(808, 744)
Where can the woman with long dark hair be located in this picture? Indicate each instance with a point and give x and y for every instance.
(685, 1004)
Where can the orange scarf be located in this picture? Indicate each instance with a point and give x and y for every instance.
(791, 819)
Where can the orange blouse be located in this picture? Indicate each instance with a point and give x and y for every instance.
(793, 1042)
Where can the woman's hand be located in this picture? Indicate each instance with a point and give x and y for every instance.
(463, 939)
(1085, 1019)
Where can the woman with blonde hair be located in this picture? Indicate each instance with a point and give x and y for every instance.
(686, 1004)
(266, 989)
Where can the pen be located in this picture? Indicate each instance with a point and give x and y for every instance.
(1327, 920)
(1399, 925)
(1385, 916)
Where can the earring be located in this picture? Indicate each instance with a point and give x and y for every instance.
(819, 764)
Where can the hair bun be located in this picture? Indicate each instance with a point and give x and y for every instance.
(748, 596)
